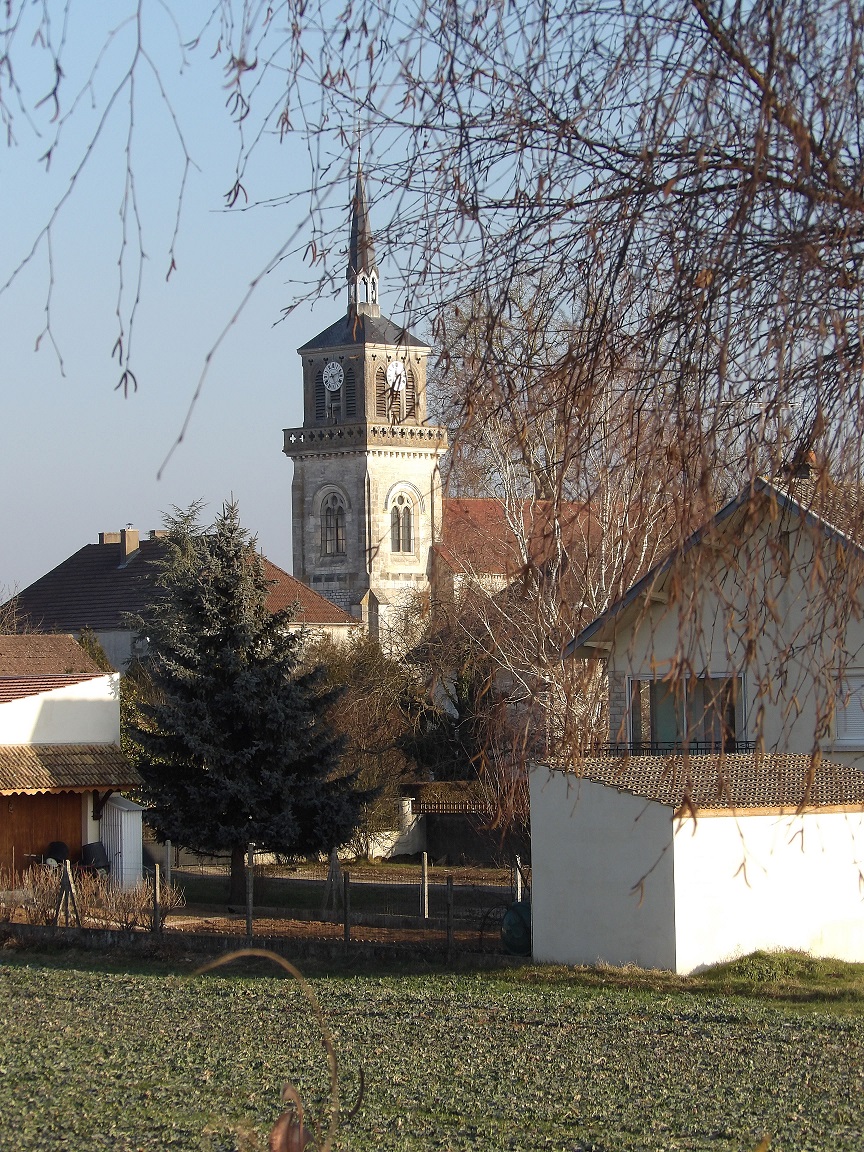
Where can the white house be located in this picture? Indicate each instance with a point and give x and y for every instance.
(726, 813)
(60, 759)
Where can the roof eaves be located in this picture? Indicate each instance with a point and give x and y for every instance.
(788, 501)
(649, 580)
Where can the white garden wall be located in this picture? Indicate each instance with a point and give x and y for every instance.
(768, 881)
(83, 713)
(590, 846)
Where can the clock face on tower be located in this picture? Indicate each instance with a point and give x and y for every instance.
(396, 375)
(333, 376)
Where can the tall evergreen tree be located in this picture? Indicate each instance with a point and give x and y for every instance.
(230, 736)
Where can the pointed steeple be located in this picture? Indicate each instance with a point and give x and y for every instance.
(362, 274)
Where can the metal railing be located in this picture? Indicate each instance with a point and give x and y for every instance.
(671, 747)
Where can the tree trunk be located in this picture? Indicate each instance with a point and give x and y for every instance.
(237, 889)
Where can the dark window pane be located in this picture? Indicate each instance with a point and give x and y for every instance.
(395, 534)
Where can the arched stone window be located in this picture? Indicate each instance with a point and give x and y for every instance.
(332, 526)
(402, 525)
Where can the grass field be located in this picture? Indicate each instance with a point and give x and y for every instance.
(147, 1058)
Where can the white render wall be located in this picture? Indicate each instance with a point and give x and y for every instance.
(84, 713)
(747, 618)
(768, 881)
(590, 846)
(713, 889)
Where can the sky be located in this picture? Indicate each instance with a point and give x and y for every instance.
(78, 457)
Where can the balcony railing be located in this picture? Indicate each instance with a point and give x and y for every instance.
(671, 747)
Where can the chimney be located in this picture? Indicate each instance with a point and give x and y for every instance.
(109, 537)
(128, 543)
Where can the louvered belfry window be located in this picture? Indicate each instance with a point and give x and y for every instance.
(320, 396)
(410, 395)
(350, 393)
(380, 395)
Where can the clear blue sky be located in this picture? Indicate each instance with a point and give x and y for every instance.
(76, 456)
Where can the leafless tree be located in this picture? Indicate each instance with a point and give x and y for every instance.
(549, 436)
(684, 178)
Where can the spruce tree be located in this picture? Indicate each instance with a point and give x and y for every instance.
(230, 735)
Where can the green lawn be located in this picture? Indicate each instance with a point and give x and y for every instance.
(523, 1059)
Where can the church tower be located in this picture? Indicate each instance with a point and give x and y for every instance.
(366, 496)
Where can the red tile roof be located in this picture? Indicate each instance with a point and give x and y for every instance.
(315, 610)
(34, 655)
(93, 589)
(17, 687)
(729, 782)
(33, 768)
(477, 536)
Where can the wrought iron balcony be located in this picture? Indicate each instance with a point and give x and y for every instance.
(673, 747)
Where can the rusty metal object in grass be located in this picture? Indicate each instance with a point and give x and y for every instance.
(291, 1133)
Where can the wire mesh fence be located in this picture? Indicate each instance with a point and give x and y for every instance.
(460, 907)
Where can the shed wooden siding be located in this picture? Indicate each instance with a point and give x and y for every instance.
(28, 824)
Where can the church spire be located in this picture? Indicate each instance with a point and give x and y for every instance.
(362, 274)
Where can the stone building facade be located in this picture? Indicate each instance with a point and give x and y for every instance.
(366, 495)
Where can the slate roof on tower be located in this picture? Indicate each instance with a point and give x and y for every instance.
(361, 253)
(362, 324)
(353, 329)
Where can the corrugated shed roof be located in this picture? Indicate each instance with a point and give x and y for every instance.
(35, 655)
(33, 768)
(93, 589)
(729, 782)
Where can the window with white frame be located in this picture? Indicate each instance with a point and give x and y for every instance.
(849, 713)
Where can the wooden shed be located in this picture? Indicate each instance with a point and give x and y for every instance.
(60, 755)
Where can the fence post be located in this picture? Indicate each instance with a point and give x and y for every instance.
(346, 901)
(449, 919)
(250, 881)
(518, 879)
(67, 892)
(424, 887)
(168, 862)
(157, 899)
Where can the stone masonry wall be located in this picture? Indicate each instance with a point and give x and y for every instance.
(618, 707)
